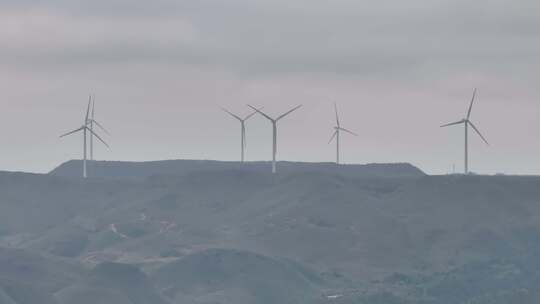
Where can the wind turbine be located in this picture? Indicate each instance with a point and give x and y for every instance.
(336, 134)
(91, 122)
(274, 131)
(466, 122)
(242, 130)
(84, 128)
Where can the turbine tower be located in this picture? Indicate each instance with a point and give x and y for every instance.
(91, 122)
(242, 130)
(84, 128)
(467, 122)
(337, 130)
(274, 131)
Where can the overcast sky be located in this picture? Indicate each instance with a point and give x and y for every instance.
(161, 69)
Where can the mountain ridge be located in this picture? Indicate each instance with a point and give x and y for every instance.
(142, 170)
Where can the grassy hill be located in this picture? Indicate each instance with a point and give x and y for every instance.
(232, 276)
(201, 231)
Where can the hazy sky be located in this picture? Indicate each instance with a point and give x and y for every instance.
(161, 69)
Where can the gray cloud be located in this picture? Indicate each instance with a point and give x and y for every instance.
(258, 36)
(402, 66)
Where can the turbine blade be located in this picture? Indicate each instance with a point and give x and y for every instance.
(260, 112)
(478, 132)
(348, 131)
(288, 112)
(88, 109)
(93, 105)
(333, 136)
(453, 123)
(250, 115)
(235, 116)
(71, 132)
(472, 101)
(337, 116)
(94, 133)
(101, 127)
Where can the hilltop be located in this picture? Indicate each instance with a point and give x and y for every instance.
(142, 170)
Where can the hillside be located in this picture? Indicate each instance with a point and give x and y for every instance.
(252, 277)
(321, 234)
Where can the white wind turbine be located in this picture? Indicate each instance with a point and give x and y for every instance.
(336, 134)
(466, 122)
(242, 130)
(91, 122)
(84, 128)
(274, 131)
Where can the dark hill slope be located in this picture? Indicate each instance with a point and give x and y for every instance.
(19, 292)
(418, 238)
(29, 278)
(44, 273)
(35, 203)
(112, 283)
(362, 226)
(232, 276)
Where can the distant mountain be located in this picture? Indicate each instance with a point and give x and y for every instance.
(142, 170)
(231, 233)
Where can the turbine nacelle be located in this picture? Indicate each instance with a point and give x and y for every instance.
(85, 128)
(274, 120)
